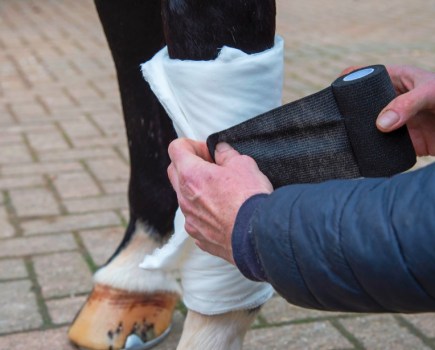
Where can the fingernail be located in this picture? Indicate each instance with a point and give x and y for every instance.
(223, 147)
(388, 119)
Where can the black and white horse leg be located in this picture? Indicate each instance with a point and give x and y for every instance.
(128, 300)
(196, 30)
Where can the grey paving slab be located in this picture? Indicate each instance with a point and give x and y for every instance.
(92, 204)
(18, 307)
(15, 153)
(70, 222)
(382, 332)
(34, 202)
(318, 335)
(12, 269)
(61, 274)
(92, 239)
(63, 310)
(423, 322)
(6, 228)
(13, 182)
(75, 185)
(277, 310)
(52, 339)
(36, 245)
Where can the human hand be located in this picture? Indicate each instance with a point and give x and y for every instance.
(210, 195)
(415, 106)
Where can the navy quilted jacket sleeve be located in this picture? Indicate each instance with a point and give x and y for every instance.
(351, 245)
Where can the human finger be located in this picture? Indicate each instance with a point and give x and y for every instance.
(183, 147)
(173, 177)
(404, 107)
(224, 153)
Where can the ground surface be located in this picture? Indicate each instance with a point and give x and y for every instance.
(64, 164)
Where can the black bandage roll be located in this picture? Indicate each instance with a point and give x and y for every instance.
(331, 134)
(361, 96)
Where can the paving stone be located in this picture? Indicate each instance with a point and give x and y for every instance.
(111, 123)
(382, 332)
(25, 246)
(126, 215)
(41, 168)
(50, 141)
(52, 339)
(115, 187)
(43, 124)
(56, 98)
(82, 92)
(64, 310)
(101, 203)
(112, 140)
(32, 68)
(77, 154)
(34, 202)
(319, 335)
(70, 223)
(103, 107)
(18, 308)
(61, 274)
(123, 149)
(81, 127)
(26, 111)
(21, 182)
(7, 138)
(93, 239)
(75, 185)
(14, 153)
(425, 323)
(278, 310)
(6, 228)
(112, 169)
(12, 269)
(6, 119)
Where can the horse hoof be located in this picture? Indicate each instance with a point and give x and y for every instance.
(120, 320)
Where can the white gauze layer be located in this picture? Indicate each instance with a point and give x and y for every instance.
(203, 97)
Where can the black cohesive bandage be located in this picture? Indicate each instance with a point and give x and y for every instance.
(328, 135)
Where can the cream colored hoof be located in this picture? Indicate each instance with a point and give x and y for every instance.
(115, 319)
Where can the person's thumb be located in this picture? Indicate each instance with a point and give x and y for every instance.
(224, 153)
(400, 110)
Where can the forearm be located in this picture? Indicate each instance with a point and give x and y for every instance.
(357, 245)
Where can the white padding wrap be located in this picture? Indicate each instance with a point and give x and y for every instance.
(203, 97)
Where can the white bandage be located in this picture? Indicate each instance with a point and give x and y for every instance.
(203, 97)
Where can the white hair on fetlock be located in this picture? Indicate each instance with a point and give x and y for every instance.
(123, 271)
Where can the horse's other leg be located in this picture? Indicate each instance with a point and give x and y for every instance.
(196, 30)
(129, 302)
(217, 332)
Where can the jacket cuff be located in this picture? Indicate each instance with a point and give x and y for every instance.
(243, 242)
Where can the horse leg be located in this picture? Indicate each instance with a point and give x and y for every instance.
(129, 304)
(196, 30)
(217, 332)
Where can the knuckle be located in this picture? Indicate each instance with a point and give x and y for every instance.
(190, 228)
(190, 186)
(406, 102)
(247, 160)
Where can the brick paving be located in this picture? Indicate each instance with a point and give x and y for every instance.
(64, 162)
